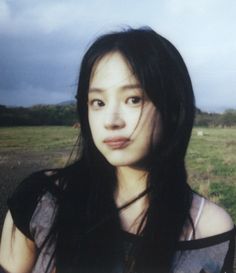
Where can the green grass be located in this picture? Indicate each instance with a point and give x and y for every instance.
(211, 164)
(37, 138)
(211, 158)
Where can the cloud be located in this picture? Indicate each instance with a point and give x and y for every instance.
(42, 41)
(29, 95)
(42, 17)
(4, 12)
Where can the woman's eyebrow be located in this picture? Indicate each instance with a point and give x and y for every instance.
(123, 88)
(96, 90)
(130, 86)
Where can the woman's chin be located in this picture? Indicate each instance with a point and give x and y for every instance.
(126, 162)
(125, 157)
(119, 162)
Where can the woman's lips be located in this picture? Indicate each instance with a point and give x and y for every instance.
(117, 142)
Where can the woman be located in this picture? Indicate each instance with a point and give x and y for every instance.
(124, 205)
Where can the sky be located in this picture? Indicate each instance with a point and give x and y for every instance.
(42, 43)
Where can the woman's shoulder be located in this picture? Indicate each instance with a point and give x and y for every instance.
(27, 195)
(39, 194)
(212, 247)
(36, 183)
(213, 220)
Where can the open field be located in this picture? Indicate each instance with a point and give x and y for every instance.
(211, 163)
(37, 138)
(211, 159)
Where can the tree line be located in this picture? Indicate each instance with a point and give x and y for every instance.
(38, 115)
(226, 119)
(66, 115)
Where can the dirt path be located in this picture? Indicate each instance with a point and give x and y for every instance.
(15, 166)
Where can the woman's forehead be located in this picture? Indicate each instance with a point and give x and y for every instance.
(112, 70)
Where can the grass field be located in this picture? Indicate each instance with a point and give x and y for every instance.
(37, 138)
(211, 158)
(211, 163)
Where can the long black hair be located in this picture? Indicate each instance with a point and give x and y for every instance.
(88, 228)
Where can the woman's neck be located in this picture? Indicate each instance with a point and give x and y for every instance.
(130, 183)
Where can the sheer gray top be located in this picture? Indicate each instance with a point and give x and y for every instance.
(214, 254)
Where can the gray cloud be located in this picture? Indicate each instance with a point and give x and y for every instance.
(42, 43)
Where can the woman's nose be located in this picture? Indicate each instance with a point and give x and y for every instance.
(114, 120)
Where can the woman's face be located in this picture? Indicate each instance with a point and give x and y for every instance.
(123, 121)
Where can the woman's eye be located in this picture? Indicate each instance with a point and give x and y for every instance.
(96, 103)
(134, 100)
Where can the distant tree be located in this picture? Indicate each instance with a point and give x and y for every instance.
(198, 111)
(2, 107)
(38, 115)
(228, 118)
(205, 119)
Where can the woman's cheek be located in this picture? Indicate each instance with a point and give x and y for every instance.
(94, 125)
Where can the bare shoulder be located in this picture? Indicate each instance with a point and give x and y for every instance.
(214, 220)
(17, 252)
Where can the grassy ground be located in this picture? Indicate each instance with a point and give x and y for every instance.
(37, 138)
(211, 158)
(211, 163)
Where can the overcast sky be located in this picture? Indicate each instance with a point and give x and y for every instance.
(41, 44)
